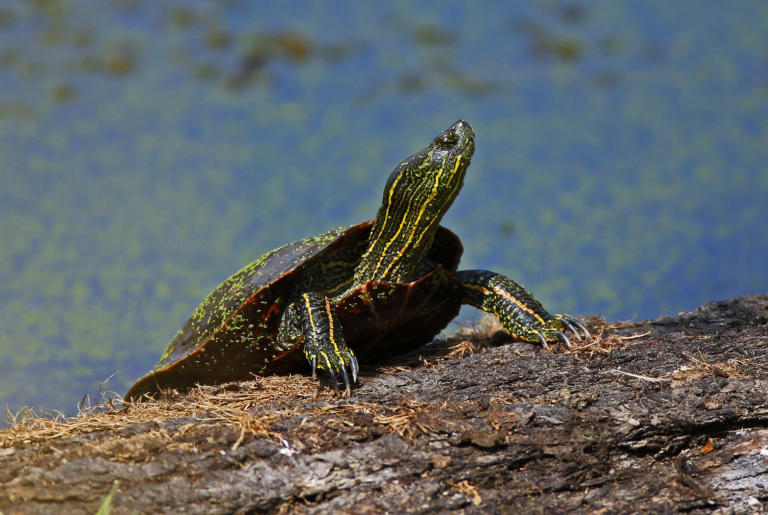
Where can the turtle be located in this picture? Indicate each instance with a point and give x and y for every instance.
(377, 288)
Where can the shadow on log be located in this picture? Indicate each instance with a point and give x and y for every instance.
(657, 416)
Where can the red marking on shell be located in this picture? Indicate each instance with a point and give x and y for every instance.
(271, 310)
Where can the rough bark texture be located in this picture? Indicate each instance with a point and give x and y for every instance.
(674, 419)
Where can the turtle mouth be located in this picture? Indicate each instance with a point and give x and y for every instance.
(464, 136)
(463, 130)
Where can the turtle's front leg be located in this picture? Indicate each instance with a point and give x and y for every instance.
(324, 344)
(519, 312)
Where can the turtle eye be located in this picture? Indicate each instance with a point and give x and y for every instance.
(446, 140)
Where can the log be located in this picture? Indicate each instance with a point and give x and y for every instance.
(654, 416)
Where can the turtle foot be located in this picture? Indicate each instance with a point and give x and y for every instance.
(555, 329)
(337, 363)
(573, 325)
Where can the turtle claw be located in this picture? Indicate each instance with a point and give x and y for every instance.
(581, 326)
(354, 368)
(314, 367)
(543, 341)
(563, 338)
(347, 386)
(333, 379)
(567, 323)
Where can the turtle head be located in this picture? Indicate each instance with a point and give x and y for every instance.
(423, 187)
(416, 196)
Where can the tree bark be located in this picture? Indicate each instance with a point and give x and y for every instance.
(656, 416)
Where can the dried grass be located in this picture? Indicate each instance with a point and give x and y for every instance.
(409, 420)
(604, 339)
(253, 407)
(469, 490)
(273, 397)
(701, 368)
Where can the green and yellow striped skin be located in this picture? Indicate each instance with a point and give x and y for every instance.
(519, 312)
(378, 287)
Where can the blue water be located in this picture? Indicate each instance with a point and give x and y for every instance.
(150, 149)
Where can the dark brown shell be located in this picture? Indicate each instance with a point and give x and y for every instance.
(233, 333)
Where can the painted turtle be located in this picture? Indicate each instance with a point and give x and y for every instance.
(378, 287)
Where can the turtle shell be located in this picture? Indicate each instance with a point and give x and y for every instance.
(232, 335)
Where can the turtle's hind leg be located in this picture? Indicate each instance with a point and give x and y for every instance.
(519, 312)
